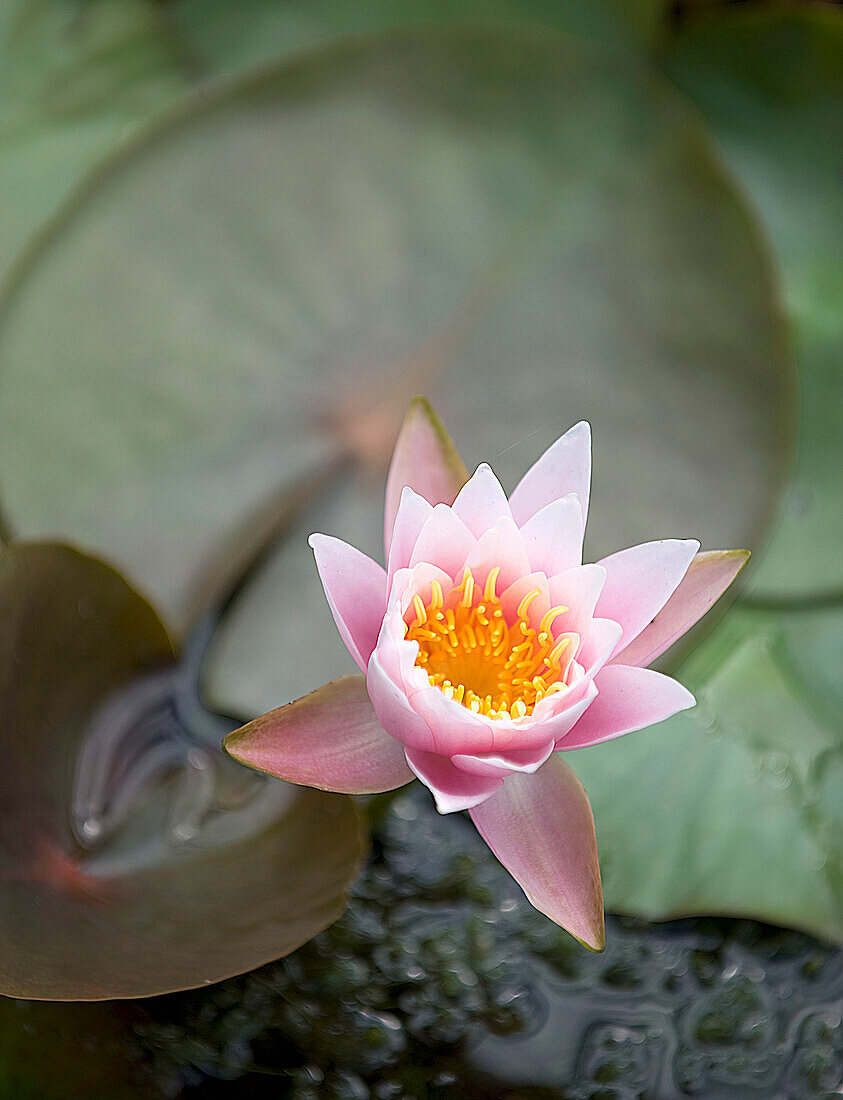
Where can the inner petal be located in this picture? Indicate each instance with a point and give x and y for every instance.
(495, 659)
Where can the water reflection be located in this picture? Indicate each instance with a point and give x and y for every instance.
(442, 982)
(151, 779)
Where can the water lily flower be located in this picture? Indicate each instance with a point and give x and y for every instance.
(486, 650)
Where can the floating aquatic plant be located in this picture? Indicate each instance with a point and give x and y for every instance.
(487, 648)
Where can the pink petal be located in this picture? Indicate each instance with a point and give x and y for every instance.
(640, 580)
(553, 536)
(419, 580)
(561, 724)
(505, 762)
(444, 541)
(481, 501)
(451, 788)
(393, 709)
(708, 577)
(578, 590)
(424, 458)
(599, 644)
(501, 546)
(565, 467)
(455, 728)
(329, 739)
(412, 514)
(541, 829)
(355, 587)
(510, 598)
(628, 699)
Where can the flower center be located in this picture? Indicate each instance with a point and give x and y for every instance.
(474, 655)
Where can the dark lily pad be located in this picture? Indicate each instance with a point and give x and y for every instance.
(74, 77)
(135, 858)
(530, 228)
(769, 79)
(733, 807)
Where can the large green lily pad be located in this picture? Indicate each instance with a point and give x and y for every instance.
(221, 37)
(734, 806)
(769, 79)
(135, 859)
(75, 75)
(530, 228)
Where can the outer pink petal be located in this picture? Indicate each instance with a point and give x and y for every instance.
(628, 699)
(481, 501)
(640, 580)
(424, 458)
(393, 709)
(355, 587)
(542, 830)
(329, 739)
(444, 540)
(452, 789)
(553, 536)
(412, 514)
(708, 577)
(505, 762)
(565, 467)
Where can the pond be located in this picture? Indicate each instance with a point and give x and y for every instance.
(442, 981)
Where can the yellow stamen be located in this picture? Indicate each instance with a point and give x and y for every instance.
(420, 610)
(479, 657)
(557, 652)
(489, 594)
(525, 603)
(468, 590)
(547, 619)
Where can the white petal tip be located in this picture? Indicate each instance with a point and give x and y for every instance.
(689, 701)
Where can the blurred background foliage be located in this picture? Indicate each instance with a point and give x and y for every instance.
(235, 237)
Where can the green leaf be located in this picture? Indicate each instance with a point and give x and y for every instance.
(389, 216)
(734, 806)
(769, 80)
(135, 858)
(222, 37)
(75, 76)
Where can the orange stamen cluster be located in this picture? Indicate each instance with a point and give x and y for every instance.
(473, 655)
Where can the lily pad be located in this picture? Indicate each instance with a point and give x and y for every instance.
(769, 80)
(74, 77)
(221, 37)
(528, 227)
(135, 858)
(734, 806)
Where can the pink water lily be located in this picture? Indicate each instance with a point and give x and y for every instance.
(486, 650)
